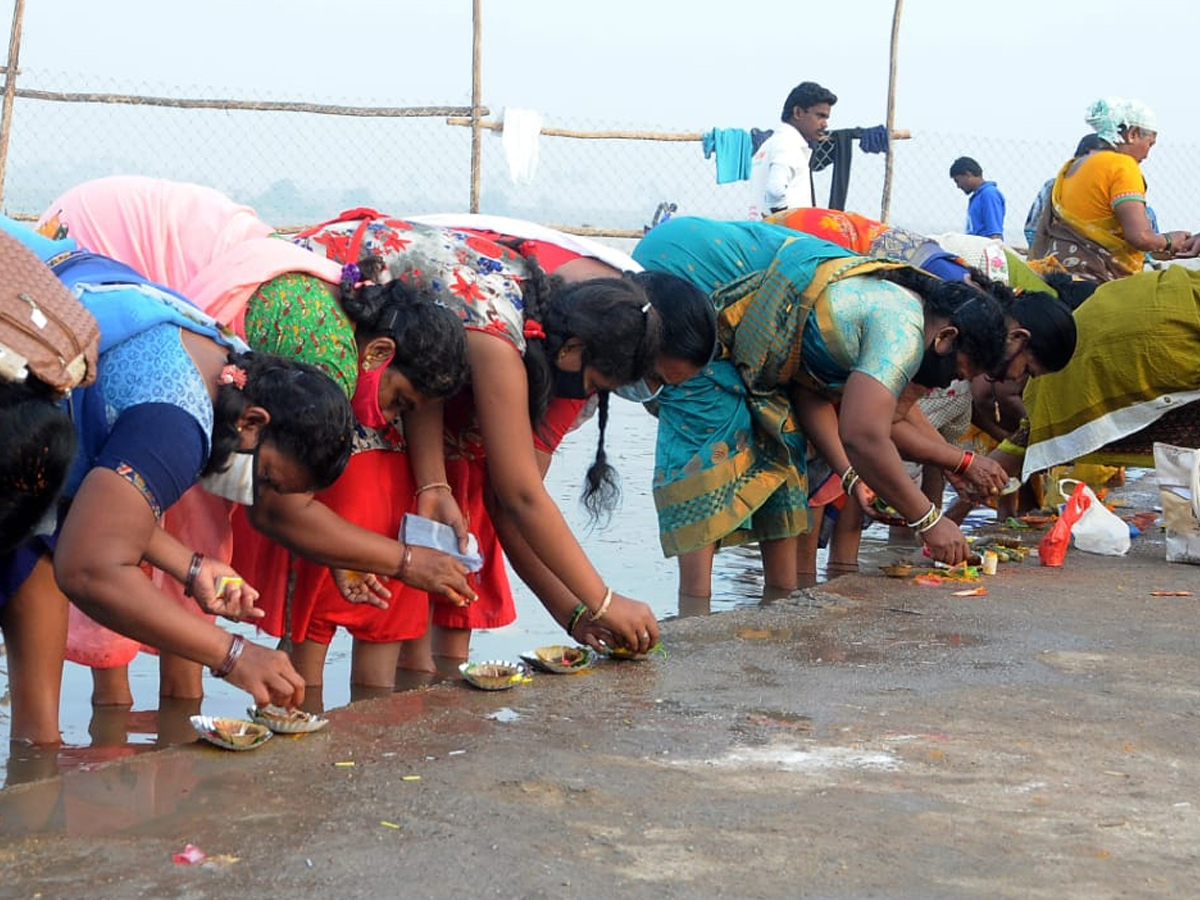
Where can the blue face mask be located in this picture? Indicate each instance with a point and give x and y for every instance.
(638, 391)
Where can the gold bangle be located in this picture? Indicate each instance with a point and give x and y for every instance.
(432, 487)
(604, 604)
(1167, 243)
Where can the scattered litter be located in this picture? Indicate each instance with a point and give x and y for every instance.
(971, 592)
(387, 824)
(456, 752)
(189, 855)
(308, 862)
(907, 612)
(1117, 774)
(345, 765)
(410, 777)
(1170, 593)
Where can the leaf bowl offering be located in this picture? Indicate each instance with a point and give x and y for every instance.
(897, 570)
(232, 734)
(286, 721)
(560, 659)
(495, 675)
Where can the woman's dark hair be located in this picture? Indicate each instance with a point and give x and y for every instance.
(977, 311)
(431, 344)
(1051, 327)
(689, 323)
(622, 336)
(311, 421)
(35, 457)
(1072, 291)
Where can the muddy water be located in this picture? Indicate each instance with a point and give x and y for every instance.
(626, 552)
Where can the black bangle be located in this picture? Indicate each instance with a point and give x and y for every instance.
(193, 572)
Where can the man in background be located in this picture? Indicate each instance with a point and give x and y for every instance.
(779, 172)
(985, 208)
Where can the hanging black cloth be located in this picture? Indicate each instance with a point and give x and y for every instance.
(838, 150)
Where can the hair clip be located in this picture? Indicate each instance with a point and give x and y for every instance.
(233, 374)
(352, 273)
(533, 330)
(646, 308)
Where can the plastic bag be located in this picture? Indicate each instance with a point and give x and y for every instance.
(1099, 529)
(1052, 549)
(1178, 473)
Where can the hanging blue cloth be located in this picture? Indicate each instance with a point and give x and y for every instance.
(874, 139)
(733, 149)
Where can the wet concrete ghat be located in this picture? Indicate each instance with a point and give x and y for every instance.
(870, 738)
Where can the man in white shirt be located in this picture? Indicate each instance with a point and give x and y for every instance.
(779, 171)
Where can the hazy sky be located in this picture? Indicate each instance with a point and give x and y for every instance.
(1015, 67)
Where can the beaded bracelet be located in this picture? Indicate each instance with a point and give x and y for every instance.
(231, 658)
(433, 486)
(575, 617)
(968, 457)
(193, 572)
(926, 521)
(604, 604)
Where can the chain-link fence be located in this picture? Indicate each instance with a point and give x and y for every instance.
(298, 168)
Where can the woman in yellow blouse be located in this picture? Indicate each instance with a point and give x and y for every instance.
(1096, 224)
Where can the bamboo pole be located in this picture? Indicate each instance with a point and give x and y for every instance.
(10, 87)
(885, 205)
(476, 99)
(390, 112)
(899, 135)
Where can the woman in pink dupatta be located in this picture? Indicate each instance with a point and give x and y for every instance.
(278, 296)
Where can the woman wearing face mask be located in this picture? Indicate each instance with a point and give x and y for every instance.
(176, 402)
(802, 326)
(384, 630)
(402, 339)
(538, 348)
(284, 300)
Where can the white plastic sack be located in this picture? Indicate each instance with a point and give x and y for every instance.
(1099, 529)
(1178, 472)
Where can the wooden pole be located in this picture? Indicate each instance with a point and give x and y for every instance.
(10, 88)
(886, 203)
(476, 99)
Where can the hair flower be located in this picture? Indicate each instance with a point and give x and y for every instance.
(533, 330)
(351, 274)
(233, 374)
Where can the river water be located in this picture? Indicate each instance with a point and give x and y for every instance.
(626, 552)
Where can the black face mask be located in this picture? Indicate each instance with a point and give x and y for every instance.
(569, 385)
(936, 370)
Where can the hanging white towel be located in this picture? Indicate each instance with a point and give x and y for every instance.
(520, 139)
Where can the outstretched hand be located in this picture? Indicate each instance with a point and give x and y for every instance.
(361, 587)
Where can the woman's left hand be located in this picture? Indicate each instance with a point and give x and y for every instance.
(361, 587)
(629, 623)
(984, 477)
(439, 504)
(946, 543)
(220, 591)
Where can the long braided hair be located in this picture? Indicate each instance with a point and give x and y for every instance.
(621, 335)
